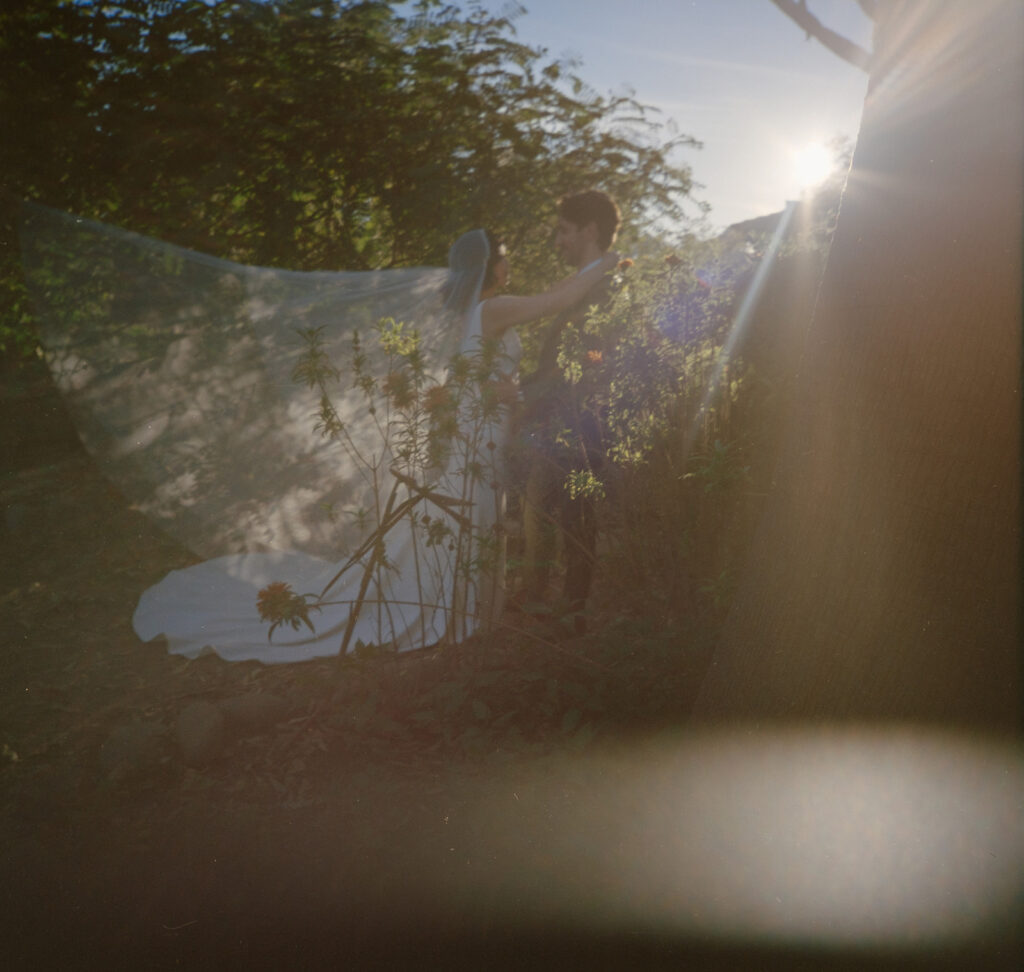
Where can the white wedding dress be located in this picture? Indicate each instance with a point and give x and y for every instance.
(184, 375)
(211, 607)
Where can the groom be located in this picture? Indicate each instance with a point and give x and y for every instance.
(561, 432)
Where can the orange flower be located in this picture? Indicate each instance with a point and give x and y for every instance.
(271, 600)
(279, 604)
(594, 357)
(625, 263)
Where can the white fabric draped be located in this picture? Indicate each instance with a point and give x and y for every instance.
(179, 370)
(421, 601)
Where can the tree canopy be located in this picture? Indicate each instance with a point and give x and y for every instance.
(312, 134)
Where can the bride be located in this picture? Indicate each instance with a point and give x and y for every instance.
(342, 432)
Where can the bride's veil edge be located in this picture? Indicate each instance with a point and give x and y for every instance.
(177, 367)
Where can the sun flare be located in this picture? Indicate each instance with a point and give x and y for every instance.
(812, 165)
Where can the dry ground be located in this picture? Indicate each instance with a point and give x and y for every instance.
(469, 808)
(336, 827)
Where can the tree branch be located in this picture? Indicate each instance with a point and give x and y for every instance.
(870, 8)
(797, 11)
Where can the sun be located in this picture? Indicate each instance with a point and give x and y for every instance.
(812, 165)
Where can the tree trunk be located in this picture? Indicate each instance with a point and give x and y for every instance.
(884, 580)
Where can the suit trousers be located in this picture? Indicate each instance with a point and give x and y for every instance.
(548, 506)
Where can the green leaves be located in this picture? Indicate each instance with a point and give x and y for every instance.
(397, 339)
(582, 482)
(310, 135)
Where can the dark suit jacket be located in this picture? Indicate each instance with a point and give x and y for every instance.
(550, 401)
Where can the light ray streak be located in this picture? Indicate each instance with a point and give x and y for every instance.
(740, 322)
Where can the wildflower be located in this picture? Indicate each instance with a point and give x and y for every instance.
(594, 357)
(398, 388)
(625, 263)
(582, 482)
(279, 604)
(437, 398)
(446, 427)
(395, 339)
(460, 368)
(437, 532)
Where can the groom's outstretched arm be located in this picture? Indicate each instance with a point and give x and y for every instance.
(538, 386)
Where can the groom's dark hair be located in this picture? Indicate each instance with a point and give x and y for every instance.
(592, 206)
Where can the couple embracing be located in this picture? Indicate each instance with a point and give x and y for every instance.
(448, 590)
(192, 406)
(550, 432)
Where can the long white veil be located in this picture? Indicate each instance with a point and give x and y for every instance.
(327, 430)
(178, 370)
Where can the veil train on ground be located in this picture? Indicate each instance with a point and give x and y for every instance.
(285, 426)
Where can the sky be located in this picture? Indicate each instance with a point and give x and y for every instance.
(738, 75)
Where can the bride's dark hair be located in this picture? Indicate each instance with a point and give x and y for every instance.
(496, 252)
